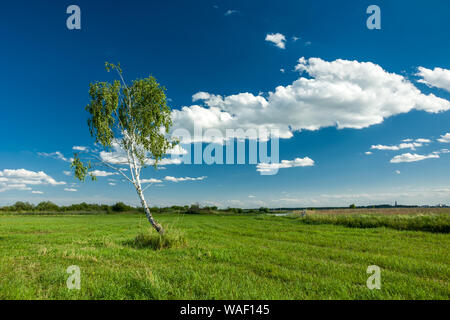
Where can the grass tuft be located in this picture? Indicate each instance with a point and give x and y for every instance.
(152, 240)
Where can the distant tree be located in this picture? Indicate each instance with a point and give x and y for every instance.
(105, 208)
(352, 206)
(47, 206)
(264, 209)
(22, 206)
(194, 209)
(136, 117)
(120, 207)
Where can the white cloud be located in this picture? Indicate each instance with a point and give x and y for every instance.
(152, 180)
(37, 192)
(278, 39)
(55, 155)
(294, 38)
(409, 145)
(21, 179)
(340, 93)
(297, 162)
(174, 179)
(177, 150)
(438, 77)
(79, 148)
(118, 156)
(282, 70)
(368, 152)
(70, 190)
(100, 173)
(421, 140)
(397, 171)
(111, 183)
(445, 138)
(164, 162)
(412, 157)
(67, 173)
(406, 144)
(230, 12)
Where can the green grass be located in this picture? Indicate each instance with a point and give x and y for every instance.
(216, 257)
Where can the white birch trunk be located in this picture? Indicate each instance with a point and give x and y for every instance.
(148, 214)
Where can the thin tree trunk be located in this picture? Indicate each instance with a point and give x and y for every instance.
(150, 219)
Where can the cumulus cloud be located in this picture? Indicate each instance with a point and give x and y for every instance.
(152, 180)
(177, 150)
(340, 93)
(421, 140)
(79, 148)
(297, 162)
(174, 179)
(438, 77)
(445, 138)
(70, 190)
(100, 173)
(407, 145)
(413, 157)
(277, 39)
(22, 179)
(37, 192)
(118, 156)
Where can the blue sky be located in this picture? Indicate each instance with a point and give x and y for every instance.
(201, 46)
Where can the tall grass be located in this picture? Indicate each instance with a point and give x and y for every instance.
(430, 223)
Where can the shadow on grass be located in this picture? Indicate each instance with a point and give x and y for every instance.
(152, 240)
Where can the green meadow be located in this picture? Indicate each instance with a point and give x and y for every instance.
(222, 256)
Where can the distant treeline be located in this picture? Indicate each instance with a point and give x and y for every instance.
(352, 206)
(119, 207)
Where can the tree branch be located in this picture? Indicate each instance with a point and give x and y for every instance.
(114, 168)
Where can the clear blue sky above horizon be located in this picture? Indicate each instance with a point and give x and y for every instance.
(201, 46)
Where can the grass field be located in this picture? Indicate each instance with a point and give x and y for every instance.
(224, 257)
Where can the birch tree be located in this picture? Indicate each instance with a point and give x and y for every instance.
(135, 117)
